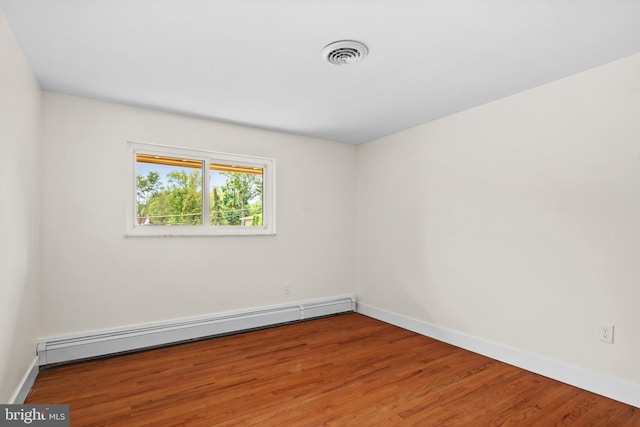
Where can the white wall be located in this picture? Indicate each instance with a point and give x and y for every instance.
(19, 224)
(516, 222)
(94, 278)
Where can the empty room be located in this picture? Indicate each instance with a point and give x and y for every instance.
(283, 213)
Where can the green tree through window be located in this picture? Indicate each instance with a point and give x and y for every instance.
(238, 201)
(170, 193)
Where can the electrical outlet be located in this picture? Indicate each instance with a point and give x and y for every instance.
(605, 332)
(287, 288)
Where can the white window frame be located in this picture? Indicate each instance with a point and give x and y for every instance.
(268, 193)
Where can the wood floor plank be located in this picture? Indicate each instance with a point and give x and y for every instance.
(336, 371)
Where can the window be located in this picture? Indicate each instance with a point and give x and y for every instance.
(183, 192)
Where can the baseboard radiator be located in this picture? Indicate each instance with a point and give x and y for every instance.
(78, 347)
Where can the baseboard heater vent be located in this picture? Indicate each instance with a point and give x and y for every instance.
(77, 347)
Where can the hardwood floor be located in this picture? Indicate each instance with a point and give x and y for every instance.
(347, 370)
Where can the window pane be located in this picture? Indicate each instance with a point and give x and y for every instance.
(168, 191)
(235, 195)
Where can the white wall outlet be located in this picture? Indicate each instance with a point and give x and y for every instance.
(287, 288)
(605, 332)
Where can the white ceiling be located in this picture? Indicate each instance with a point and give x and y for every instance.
(259, 63)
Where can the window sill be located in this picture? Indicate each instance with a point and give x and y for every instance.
(196, 231)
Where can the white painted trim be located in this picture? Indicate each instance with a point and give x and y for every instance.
(29, 377)
(101, 343)
(614, 388)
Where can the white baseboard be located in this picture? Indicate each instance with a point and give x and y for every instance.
(26, 383)
(614, 388)
(102, 343)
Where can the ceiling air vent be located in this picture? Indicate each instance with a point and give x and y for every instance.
(344, 52)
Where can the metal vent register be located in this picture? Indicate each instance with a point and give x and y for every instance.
(344, 52)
